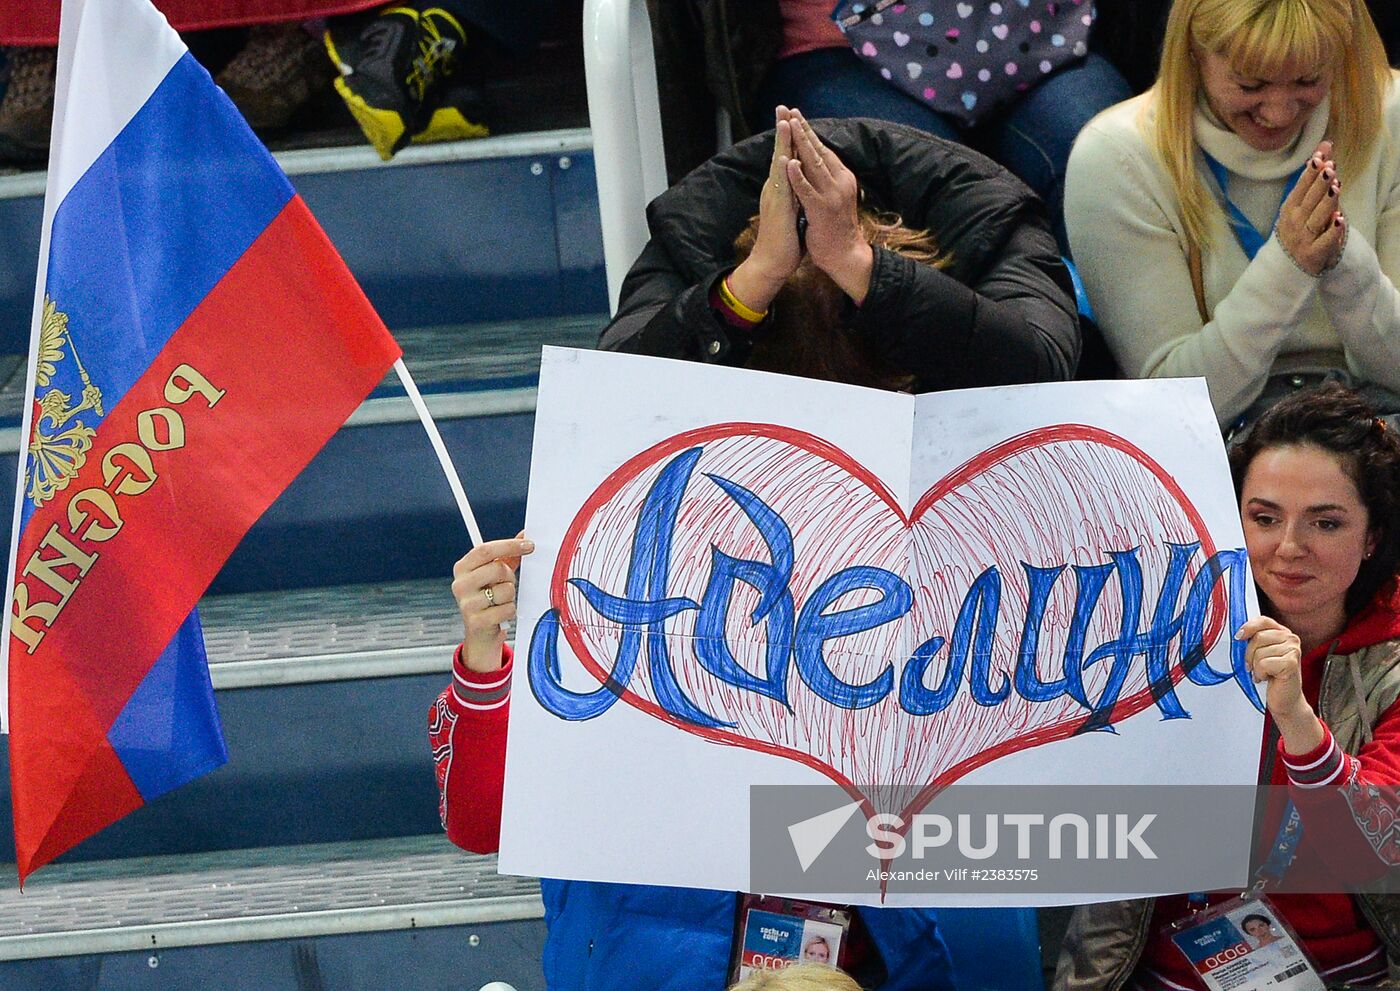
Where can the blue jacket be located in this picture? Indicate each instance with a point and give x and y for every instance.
(606, 937)
(621, 937)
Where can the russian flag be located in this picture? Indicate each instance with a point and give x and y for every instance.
(196, 339)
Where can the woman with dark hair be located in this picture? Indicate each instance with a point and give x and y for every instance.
(1335, 425)
(1319, 486)
(1260, 930)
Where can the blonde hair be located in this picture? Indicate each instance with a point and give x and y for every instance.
(799, 977)
(807, 336)
(1257, 37)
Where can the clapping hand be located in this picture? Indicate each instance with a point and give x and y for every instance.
(776, 252)
(1311, 225)
(829, 194)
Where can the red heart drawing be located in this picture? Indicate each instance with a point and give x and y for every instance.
(1067, 495)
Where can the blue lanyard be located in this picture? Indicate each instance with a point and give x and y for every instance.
(1281, 857)
(1250, 238)
(1285, 851)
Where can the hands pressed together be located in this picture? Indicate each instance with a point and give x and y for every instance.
(1275, 656)
(1311, 226)
(804, 173)
(483, 583)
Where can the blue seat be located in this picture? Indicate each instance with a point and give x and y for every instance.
(1096, 361)
(993, 949)
(1081, 295)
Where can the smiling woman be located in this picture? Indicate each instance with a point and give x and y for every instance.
(1319, 483)
(1252, 182)
(1266, 111)
(1308, 533)
(1319, 486)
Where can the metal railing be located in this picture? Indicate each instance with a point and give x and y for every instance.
(624, 112)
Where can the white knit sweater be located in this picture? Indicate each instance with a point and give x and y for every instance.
(1267, 316)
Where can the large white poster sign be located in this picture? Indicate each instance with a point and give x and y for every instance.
(749, 579)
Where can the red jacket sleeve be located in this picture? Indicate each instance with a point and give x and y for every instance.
(467, 730)
(1349, 802)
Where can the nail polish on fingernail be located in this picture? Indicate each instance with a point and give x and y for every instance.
(1331, 192)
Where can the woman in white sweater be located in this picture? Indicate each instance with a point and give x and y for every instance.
(1241, 219)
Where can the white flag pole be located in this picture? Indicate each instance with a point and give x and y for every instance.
(445, 459)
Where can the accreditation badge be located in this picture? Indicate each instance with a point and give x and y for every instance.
(773, 933)
(1244, 945)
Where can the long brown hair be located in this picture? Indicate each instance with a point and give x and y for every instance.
(808, 333)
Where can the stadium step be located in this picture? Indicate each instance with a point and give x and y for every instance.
(314, 858)
(324, 695)
(408, 913)
(460, 233)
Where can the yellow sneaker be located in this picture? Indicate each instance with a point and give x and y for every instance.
(393, 65)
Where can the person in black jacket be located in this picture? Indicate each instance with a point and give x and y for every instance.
(996, 308)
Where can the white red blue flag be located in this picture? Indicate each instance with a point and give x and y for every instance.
(196, 339)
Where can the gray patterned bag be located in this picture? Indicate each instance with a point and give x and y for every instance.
(966, 59)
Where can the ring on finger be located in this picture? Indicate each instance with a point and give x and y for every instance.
(490, 595)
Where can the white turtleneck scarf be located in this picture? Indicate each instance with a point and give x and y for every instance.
(1267, 316)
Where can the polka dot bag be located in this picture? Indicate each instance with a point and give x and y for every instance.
(966, 59)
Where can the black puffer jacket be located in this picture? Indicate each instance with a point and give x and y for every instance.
(1001, 312)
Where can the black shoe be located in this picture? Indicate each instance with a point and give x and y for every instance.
(392, 70)
(456, 114)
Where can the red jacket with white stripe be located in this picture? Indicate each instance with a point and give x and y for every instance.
(468, 723)
(1346, 792)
